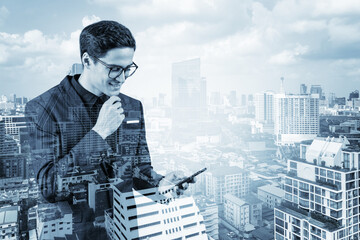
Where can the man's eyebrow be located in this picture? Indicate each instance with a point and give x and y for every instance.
(114, 65)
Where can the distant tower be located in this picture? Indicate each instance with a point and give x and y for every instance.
(303, 89)
(264, 107)
(316, 89)
(282, 85)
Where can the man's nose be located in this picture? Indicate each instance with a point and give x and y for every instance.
(121, 77)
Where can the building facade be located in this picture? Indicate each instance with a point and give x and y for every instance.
(264, 107)
(54, 220)
(321, 193)
(149, 214)
(270, 195)
(9, 225)
(223, 180)
(242, 211)
(297, 118)
(209, 211)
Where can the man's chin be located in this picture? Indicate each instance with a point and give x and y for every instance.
(113, 93)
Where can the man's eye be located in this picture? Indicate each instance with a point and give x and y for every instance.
(116, 69)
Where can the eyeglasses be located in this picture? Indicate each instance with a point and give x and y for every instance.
(116, 70)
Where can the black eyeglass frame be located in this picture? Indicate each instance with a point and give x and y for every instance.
(111, 67)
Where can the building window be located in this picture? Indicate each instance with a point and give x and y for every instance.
(346, 159)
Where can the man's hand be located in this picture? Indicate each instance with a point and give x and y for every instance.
(110, 117)
(173, 178)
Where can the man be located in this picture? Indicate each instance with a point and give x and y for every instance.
(87, 115)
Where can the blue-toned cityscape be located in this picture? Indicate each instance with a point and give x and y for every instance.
(279, 165)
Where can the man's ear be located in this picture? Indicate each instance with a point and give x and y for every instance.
(86, 60)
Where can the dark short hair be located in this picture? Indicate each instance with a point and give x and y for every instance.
(100, 37)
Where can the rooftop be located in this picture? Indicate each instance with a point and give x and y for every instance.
(203, 202)
(249, 199)
(234, 199)
(9, 214)
(221, 171)
(306, 217)
(273, 190)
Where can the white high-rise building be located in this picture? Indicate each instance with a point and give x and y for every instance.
(209, 210)
(296, 118)
(223, 180)
(321, 193)
(264, 107)
(148, 214)
(54, 220)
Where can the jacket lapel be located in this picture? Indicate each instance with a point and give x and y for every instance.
(74, 103)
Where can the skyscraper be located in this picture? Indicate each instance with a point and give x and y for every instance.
(148, 214)
(303, 89)
(297, 118)
(188, 96)
(316, 89)
(264, 107)
(321, 193)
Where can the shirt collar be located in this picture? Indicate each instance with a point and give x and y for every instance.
(87, 97)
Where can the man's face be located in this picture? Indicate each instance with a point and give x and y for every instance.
(99, 81)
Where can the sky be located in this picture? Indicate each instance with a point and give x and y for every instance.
(243, 45)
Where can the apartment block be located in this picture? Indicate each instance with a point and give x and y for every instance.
(54, 220)
(223, 180)
(210, 212)
(270, 195)
(296, 117)
(321, 193)
(242, 211)
(148, 214)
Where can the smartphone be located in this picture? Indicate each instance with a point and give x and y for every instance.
(190, 178)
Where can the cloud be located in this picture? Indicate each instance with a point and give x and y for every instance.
(305, 26)
(288, 57)
(335, 8)
(3, 53)
(4, 13)
(343, 33)
(87, 20)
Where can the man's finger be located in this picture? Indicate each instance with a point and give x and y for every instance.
(117, 105)
(113, 99)
(184, 186)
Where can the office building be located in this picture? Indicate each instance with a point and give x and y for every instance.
(73, 178)
(232, 98)
(9, 222)
(242, 211)
(270, 195)
(321, 193)
(149, 214)
(223, 180)
(297, 118)
(303, 89)
(189, 107)
(13, 166)
(13, 124)
(264, 107)
(209, 211)
(215, 98)
(8, 144)
(54, 220)
(317, 89)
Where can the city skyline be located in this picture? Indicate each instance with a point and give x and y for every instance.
(245, 46)
(263, 95)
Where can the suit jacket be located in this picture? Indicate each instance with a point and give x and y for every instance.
(62, 141)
